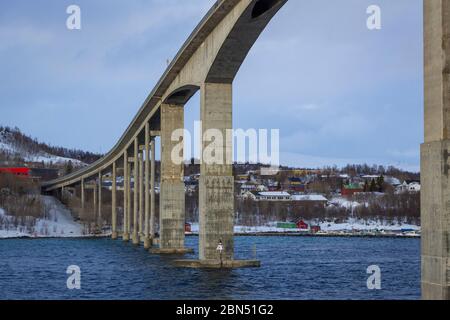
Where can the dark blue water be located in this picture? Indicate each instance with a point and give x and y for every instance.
(292, 268)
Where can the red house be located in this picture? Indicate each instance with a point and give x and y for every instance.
(23, 171)
(187, 227)
(351, 189)
(315, 229)
(302, 225)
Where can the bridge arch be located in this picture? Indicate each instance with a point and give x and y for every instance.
(181, 95)
(263, 6)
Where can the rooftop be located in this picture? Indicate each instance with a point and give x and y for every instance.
(309, 197)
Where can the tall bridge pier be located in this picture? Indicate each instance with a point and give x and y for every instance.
(172, 194)
(216, 188)
(435, 166)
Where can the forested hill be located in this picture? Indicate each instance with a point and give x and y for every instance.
(18, 147)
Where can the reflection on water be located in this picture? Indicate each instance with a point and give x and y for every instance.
(292, 268)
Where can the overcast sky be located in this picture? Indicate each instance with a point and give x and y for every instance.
(338, 92)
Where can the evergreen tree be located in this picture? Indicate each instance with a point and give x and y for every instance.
(373, 186)
(380, 183)
(366, 186)
(69, 167)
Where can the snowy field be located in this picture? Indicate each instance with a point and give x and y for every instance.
(59, 224)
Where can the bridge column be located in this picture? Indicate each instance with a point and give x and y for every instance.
(172, 199)
(125, 231)
(147, 243)
(136, 193)
(141, 195)
(129, 214)
(82, 194)
(216, 186)
(114, 202)
(95, 196)
(435, 178)
(152, 190)
(100, 186)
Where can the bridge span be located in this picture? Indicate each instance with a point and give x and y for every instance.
(208, 61)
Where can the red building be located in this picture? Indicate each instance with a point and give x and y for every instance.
(296, 185)
(302, 225)
(187, 227)
(351, 189)
(25, 172)
(315, 229)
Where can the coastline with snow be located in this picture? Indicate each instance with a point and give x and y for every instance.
(58, 224)
(353, 227)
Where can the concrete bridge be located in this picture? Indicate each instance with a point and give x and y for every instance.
(209, 61)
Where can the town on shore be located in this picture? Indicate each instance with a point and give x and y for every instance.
(355, 200)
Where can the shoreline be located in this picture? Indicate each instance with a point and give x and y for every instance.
(250, 234)
(325, 235)
(46, 238)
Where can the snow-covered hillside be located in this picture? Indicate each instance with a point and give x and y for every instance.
(14, 149)
(60, 223)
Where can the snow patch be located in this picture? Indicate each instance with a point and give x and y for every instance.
(366, 225)
(342, 202)
(60, 223)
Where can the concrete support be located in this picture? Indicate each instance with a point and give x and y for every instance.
(95, 204)
(141, 195)
(435, 179)
(147, 243)
(216, 199)
(114, 202)
(100, 187)
(152, 190)
(82, 195)
(136, 239)
(129, 213)
(125, 231)
(172, 198)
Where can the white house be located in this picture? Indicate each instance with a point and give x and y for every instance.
(414, 187)
(268, 196)
(408, 187)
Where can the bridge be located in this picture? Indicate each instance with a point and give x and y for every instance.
(209, 61)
